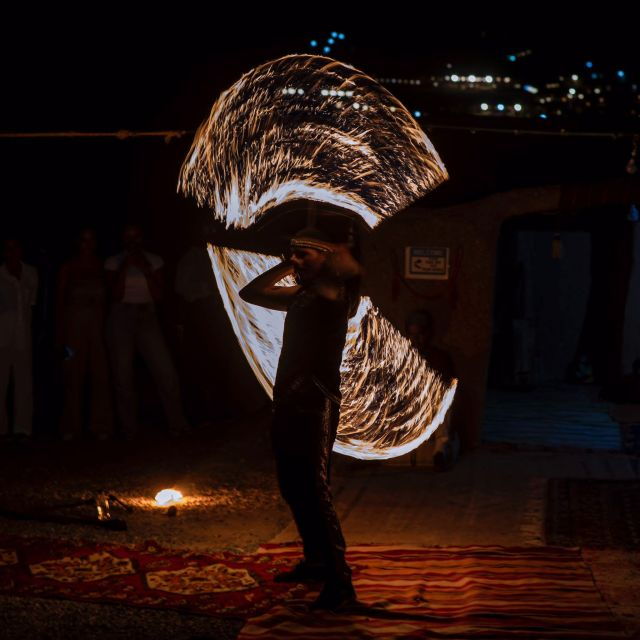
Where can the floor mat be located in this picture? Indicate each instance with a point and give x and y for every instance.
(220, 584)
(451, 592)
(590, 512)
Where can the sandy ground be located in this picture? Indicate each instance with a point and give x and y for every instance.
(493, 496)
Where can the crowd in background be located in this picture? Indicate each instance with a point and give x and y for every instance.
(105, 317)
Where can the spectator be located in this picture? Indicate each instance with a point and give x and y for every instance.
(135, 283)
(420, 331)
(81, 309)
(196, 287)
(18, 291)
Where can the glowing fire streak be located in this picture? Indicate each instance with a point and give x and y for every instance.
(311, 128)
(264, 145)
(168, 497)
(391, 400)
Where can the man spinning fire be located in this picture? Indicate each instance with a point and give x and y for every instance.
(307, 398)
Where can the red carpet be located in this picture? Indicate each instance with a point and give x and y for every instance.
(452, 592)
(431, 592)
(218, 584)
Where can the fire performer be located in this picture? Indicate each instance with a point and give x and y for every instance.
(307, 399)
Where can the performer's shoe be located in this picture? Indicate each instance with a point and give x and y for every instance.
(303, 572)
(336, 595)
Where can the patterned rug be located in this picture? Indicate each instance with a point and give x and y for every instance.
(593, 513)
(220, 584)
(451, 592)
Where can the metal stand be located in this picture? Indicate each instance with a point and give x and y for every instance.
(101, 500)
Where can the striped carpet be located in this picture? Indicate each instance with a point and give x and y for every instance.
(451, 592)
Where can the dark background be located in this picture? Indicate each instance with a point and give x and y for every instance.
(152, 71)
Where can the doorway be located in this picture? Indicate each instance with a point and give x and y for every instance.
(542, 387)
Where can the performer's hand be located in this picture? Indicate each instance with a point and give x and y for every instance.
(287, 265)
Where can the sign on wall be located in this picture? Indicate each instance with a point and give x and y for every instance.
(427, 263)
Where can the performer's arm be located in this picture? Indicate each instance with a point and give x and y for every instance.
(264, 292)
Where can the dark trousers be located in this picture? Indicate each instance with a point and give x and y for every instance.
(303, 431)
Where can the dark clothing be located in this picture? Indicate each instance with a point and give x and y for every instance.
(315, 329)
(305, 422)
(302, 441)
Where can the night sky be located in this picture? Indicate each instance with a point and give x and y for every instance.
(115, 71)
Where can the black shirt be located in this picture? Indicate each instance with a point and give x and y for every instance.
(315, 330)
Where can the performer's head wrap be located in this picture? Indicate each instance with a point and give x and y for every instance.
(312, 238)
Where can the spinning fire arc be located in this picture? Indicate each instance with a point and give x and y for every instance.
(308, 127)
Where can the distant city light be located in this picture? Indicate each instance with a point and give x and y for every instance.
(455, 78)
(488, 79)
(517, 107)
(472, 78)
(530, 88)
(484, 106)
(544, 115)
(507, 79)
(572, 91)
(326, 49)
(512, 58)
(356, 105)
(417, 114)
(500, 107)
(574, 77)
(594, 76)
(300, 91)
(447, 78)
(620, 74)
(314, 43)
(324, 92)
(331, 41)
(334, 34)
(341, 36)
(588, 64)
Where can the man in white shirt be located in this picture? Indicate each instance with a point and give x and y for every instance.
(18, 291)
(135, 279)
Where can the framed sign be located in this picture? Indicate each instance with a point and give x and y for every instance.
(426, 263)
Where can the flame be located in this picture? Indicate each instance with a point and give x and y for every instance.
(391, 400)
(168, 497)
(308, 127)
(290, 130)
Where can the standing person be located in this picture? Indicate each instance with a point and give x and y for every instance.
(135, 282)
(420, 330)
(80, 313)
(196, 288)
(18, 291)
(307, 399)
